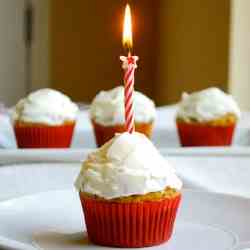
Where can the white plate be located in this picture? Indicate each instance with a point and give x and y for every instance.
(53, 220)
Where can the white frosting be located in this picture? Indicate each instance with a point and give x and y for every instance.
(206, 105)
(46, 106)
(128, 164)
(107, 107)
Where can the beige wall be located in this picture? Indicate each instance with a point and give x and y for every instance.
(86, 44)
(194, 44)
(182, 45)
(13, 84)
(239, 77)
(40, 74)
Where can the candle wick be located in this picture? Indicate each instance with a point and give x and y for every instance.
(129, 53)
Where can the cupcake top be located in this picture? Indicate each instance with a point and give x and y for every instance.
(129, 164)
(107, 107)
(206, 105)
(45, 106)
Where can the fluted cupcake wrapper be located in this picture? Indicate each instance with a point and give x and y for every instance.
(132, 224)
(44, 136)
(205, 135)
(105, 133)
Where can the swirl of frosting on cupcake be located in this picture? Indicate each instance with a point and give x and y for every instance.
(129, 164)
(206, 105)
(45, 106)
(107, 107)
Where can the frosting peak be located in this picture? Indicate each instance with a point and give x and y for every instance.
(46, 106)
(128, 164)
(107, 107)
(206, 105)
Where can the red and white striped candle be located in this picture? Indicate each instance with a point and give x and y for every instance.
(129, 66)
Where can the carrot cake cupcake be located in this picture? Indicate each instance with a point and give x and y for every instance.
(207, 118)
(44, 119)
(129, 193)
(107, 114)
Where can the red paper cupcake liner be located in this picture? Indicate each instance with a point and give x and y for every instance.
(205, 135)
(44, 136)
(104, 133)
(132, 224)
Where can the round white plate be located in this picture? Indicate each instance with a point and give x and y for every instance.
(53, 221)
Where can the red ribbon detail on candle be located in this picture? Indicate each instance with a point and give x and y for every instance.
(129, 66)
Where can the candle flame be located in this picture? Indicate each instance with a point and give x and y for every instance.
(127, 39)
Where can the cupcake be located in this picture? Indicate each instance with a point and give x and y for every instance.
(107, 114)
(207, 118)
(129, 193)
(44, 119)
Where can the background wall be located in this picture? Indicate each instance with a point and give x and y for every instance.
(86, 42)
(194, 47)
(40, 56)
(182, 45)
(13, 53)
(239, 73)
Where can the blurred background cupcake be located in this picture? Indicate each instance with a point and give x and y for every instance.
(207, 118)
(107, 114)
(44, 119)
(129, 193)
